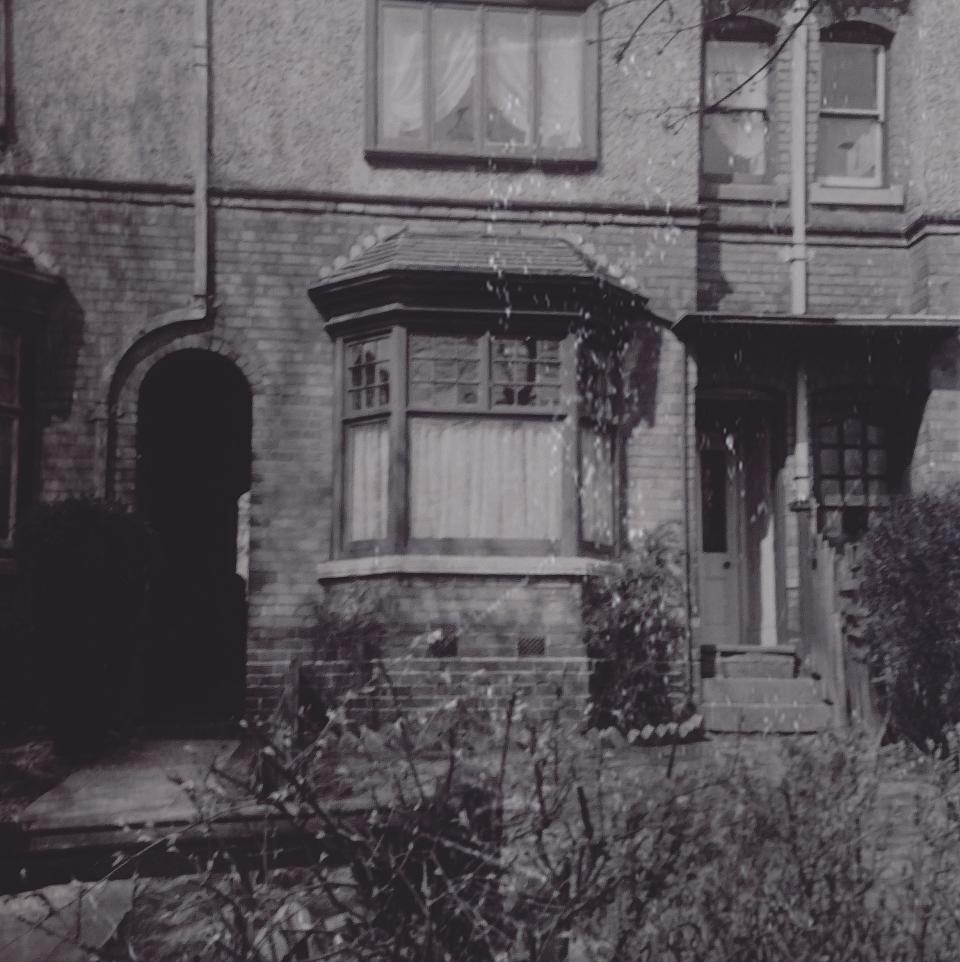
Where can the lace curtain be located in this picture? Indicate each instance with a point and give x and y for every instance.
(735, 135)
(508, 77)
(561, 81)
(596, 486)
(455, 67)
(474, 478)
(401, 73)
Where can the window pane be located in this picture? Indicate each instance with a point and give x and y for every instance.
(454, 74)
(877, 462)
(830, 461)
(444, 371)
(735, 142)
(848, 76)
(596, 487)
(365, 488)
(368, 374)
(729, 64)
(509, 82)
(848, 147)
(525, 372)
(8, 368)
(402, 74)
(561, 80)
(485, 478)
(7, 445)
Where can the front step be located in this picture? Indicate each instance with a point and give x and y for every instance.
(772, 705)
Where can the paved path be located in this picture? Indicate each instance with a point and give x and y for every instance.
(143, 784)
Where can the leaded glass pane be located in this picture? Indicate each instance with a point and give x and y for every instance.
(444, 370)
(368, 374)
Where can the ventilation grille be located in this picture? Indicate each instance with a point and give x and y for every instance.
(532, 647)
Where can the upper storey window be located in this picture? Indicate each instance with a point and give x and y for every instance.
(852, 103)
(478, 80)
(736, 121)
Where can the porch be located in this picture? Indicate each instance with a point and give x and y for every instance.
(800, 430)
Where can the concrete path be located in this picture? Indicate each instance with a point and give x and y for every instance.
(62, 923)
(146, 784)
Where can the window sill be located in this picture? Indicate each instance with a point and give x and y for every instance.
(392, 156)
(748, 193)
(857, 196)
(477, 565)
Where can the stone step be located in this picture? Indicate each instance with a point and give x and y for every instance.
(749, 661)
(767, 719)
(761, 691)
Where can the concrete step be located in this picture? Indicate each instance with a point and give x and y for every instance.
(749, 661)
(761, 691)
(768, 719)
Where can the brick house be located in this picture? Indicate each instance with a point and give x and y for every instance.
(454, 299)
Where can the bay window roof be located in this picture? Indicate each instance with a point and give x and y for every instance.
(470, 273)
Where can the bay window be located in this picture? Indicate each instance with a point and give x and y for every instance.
(484, 80)
(850, 138)
(476, 441)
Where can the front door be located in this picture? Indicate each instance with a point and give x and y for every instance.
(737, 557)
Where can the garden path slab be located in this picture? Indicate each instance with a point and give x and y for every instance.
(147, 783)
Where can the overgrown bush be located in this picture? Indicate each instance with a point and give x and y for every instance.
(635, 625)
(534, 844)
(84, 568)
(910, 594)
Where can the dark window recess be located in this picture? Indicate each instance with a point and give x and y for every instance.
(713, 499)
(534, 646)
(446, 645)
(852, 472)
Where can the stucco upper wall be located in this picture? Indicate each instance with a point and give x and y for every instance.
(936, 171)
(290, 110)
(100, 89)
(103, 90)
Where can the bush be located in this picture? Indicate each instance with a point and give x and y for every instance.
(533, 843)
(635, 625)
(910, 594)
(85, 566)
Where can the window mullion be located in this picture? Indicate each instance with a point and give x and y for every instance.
(428, 75)
(397, 480)
(570, 534)
(338, 500)
(486, 384)
(533, 31)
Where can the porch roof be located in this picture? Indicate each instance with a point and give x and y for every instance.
(694, 323)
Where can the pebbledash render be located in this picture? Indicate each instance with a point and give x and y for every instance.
(446, 303)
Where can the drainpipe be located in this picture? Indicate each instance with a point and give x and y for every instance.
(798, 247)
(201, 158)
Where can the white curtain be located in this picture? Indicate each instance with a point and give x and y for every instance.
(401, 77)
(365, 494)
(561, 80)
(455, 66)
(729, 64)
(735, 143)
(596, 487)
(485, 478)
(508, 75)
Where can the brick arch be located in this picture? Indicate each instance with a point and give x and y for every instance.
(122, 393)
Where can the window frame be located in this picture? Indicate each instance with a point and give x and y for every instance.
(13, 410)
(510, 155)
(742, 28)
(867, 36)
(402, 411)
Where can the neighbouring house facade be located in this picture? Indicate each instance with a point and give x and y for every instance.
(453, 300)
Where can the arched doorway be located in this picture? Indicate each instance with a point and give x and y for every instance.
(193, 470)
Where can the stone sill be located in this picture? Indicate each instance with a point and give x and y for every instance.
(473, 565)
(747, 193)
(857, 196)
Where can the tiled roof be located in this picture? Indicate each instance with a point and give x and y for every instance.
(498, 254)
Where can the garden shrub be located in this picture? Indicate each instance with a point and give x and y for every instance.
(84, 568)
(910, 594)
(635, 626)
